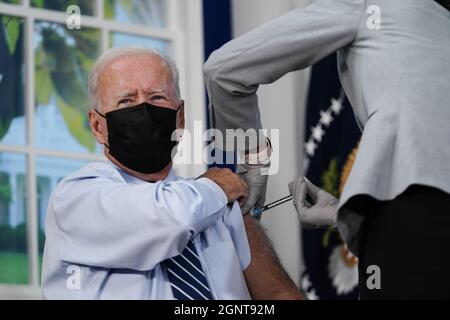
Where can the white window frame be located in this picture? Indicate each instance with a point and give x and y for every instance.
(184, 31)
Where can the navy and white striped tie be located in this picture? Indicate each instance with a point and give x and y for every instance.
(187, 279)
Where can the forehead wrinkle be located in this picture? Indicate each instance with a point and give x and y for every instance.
(161, 75)
(126, 93)
(150, 91)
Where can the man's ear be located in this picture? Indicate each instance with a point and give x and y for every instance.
(180, 116)
(98, 126)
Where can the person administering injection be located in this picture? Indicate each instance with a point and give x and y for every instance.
(395, 203)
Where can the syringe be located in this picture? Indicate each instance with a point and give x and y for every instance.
(258, 211)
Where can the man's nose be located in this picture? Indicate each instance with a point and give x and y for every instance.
(141, 98)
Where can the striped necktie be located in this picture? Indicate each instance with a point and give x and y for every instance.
(187, 279)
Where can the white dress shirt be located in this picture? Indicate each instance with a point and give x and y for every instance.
(107, 233)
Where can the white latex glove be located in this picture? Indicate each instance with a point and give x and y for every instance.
(256, 178)
(321, 213)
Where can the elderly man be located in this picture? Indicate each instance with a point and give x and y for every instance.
(129, 228)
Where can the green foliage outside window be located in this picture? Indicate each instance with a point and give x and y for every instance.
(11, 65)
(10, 1)
(63, 59)
(5, 188)
(86, 6)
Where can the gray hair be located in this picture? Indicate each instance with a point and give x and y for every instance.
(115, 54)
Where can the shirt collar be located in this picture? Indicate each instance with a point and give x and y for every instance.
(132, 179)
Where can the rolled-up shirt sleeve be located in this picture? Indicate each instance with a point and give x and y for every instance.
(107, 223)
(234, 222)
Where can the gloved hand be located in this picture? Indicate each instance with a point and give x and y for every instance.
(321, 213)
(256, 178)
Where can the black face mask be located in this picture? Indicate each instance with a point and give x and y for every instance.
(139, 137)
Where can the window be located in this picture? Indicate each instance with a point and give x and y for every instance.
(44, 132)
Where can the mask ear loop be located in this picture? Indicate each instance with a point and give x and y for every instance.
(103, 116)
(181, 136)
